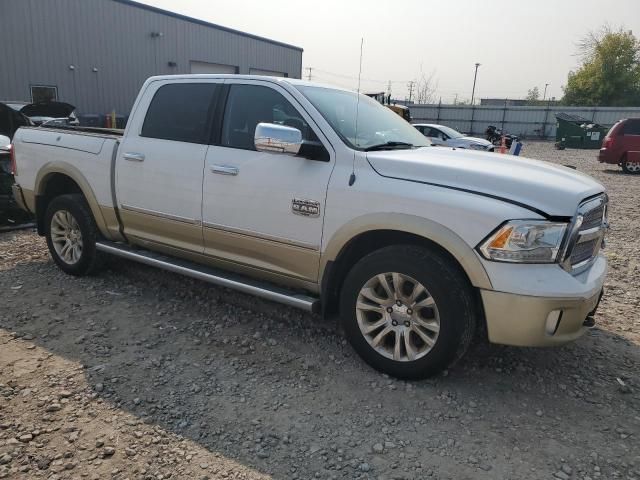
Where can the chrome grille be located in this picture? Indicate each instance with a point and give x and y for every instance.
(593, 218)
(583, 251)
(587, 234)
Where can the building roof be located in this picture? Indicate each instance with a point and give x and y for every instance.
(197, 21)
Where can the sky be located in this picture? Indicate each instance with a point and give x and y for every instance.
(518, 44)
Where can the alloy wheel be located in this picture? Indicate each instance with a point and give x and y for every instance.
(398, 317)
(66, 237)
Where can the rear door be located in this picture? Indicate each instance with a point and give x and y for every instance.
(160, 164)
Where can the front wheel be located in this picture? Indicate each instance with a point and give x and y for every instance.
(408, 311)
(71, 234)
(632, 167)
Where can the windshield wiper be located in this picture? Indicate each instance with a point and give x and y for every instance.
(388, 146)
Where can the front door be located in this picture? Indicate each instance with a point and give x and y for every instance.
(160, 165)
(264, 210)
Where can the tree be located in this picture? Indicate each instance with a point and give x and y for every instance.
(533, 95)
(425, 89)
(610, 71)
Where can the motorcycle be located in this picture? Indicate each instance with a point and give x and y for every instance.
(494, 135)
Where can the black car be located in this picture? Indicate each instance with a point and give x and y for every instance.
(10, 121)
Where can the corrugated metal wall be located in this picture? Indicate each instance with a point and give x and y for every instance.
(40, 39)
(529, 122)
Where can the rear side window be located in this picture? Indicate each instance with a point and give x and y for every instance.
(631, 127)
(181, 112)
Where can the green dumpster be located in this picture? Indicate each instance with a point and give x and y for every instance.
(573, 131)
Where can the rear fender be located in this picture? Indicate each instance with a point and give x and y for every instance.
(49, 169)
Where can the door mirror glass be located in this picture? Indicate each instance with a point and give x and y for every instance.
(270, 137)
(5, 143)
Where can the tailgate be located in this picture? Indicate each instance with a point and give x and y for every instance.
(73, 141)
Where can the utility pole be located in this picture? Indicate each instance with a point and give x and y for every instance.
(455, 100)
(544, 95)
(473, 92)
(309, 75)
(410, 86)
(389, 88)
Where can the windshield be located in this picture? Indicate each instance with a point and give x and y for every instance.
(450, 132)
(377, 125)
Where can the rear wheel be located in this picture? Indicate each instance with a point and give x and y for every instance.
(632, 167)
(71, 234)
(408, 311)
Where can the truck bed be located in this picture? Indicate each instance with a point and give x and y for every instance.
(85, 154)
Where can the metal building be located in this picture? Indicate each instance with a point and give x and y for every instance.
(95, 54)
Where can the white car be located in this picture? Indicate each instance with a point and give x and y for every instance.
(270, 186)
(442, 135)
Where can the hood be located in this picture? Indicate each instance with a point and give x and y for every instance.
(548, 188)
(48, 109)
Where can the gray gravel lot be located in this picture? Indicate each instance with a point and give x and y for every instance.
(142, 374)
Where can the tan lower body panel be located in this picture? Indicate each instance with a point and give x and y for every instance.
(161, 230)
(264, 254)
(522, 320)
(111, 223)
(224, 264)
(269, 260)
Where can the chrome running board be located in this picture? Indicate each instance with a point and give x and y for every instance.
(212, 275)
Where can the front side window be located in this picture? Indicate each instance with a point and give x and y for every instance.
(249, 105)
(376, 124)
(181, 112)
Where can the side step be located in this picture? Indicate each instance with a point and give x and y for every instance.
(214, 276)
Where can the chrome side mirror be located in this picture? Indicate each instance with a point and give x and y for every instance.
(271, 137)
(5, 144)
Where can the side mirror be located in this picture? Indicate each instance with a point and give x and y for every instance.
(270, 137)
(5, 144)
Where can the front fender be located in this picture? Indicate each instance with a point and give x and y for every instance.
(412, 224)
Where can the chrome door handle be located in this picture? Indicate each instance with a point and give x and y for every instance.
(224, 170)
(133, 157)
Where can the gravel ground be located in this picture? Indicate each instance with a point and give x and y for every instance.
(141, 374)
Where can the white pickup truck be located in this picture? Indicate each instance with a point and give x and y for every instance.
(323, 199)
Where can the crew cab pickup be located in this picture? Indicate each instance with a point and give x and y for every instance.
(323, 199)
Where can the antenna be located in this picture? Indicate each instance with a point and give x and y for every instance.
(352, 177)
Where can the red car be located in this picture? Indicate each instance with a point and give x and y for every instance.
(621, 146)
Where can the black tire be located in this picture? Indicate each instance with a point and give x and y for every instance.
(446, 284)
(76, 205)
(625, 167)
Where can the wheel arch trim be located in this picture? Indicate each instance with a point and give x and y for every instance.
(411, 224)
(63, 168)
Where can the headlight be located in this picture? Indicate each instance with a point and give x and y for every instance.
(525, 241)
(477, 146)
